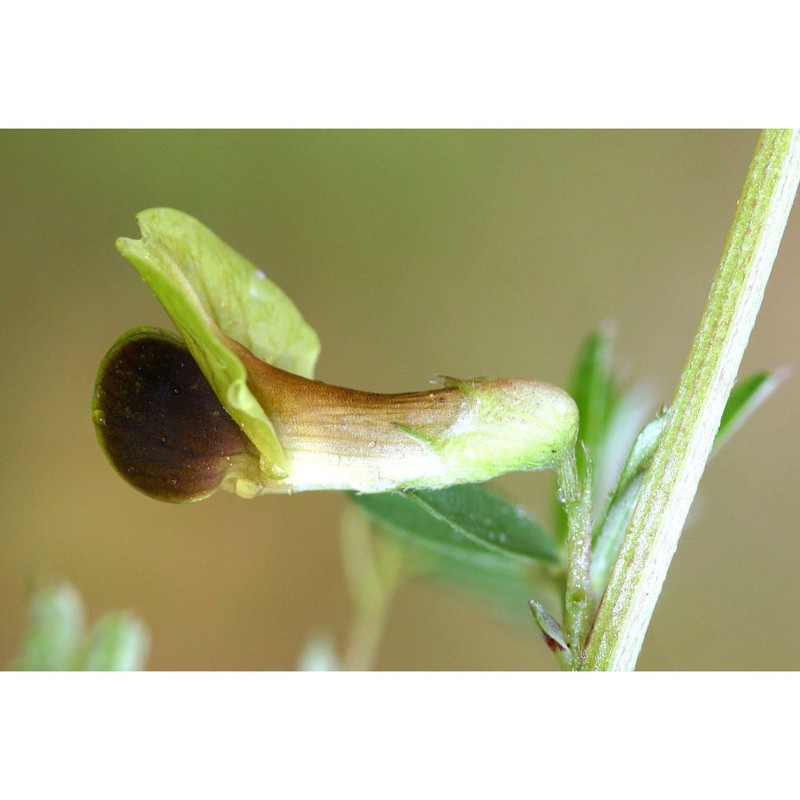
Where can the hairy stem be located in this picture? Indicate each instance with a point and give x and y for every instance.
(671, 482)
(578, 602)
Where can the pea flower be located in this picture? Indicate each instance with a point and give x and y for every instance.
(231, 401)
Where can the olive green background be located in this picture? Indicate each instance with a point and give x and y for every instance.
(412, 254)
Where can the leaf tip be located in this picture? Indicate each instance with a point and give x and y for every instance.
(553, 635)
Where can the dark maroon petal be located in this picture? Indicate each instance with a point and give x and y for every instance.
(159, 421)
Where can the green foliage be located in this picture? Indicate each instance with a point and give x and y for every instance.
(472, 535)
(745, 398)
(596, 393)
(704, 390)
(609, 418)
(55, 628)
(118, 642)
(470, 518)
(609, 532)
(55, 639)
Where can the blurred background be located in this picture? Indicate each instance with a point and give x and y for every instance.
(412, 253)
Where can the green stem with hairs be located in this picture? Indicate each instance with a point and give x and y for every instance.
(576, 497)
(671, 481)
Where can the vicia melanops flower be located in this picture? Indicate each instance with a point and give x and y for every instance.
(232, 403)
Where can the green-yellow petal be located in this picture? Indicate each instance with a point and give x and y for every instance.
(211, 292)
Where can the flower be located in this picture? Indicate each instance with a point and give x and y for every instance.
(232, 402)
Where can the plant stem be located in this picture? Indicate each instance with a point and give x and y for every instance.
(374, 567)
(576, 496)
(365, 637)
(671, 481)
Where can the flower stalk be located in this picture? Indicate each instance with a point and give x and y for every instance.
(576, 496)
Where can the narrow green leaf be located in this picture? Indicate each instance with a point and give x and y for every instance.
(610, 417)
(418, 528)
(55, 627)
(745, 398)
(595, 393)
(484, 516)
(118, 642)
(470, 517)
(211, 292)
(640, 455)
(612, 527)
(594, 388)
(437, 551)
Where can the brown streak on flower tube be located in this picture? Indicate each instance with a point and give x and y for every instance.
(345, 439)
(467, 431)
(166, 433)
(159, 421)
(302, 408)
